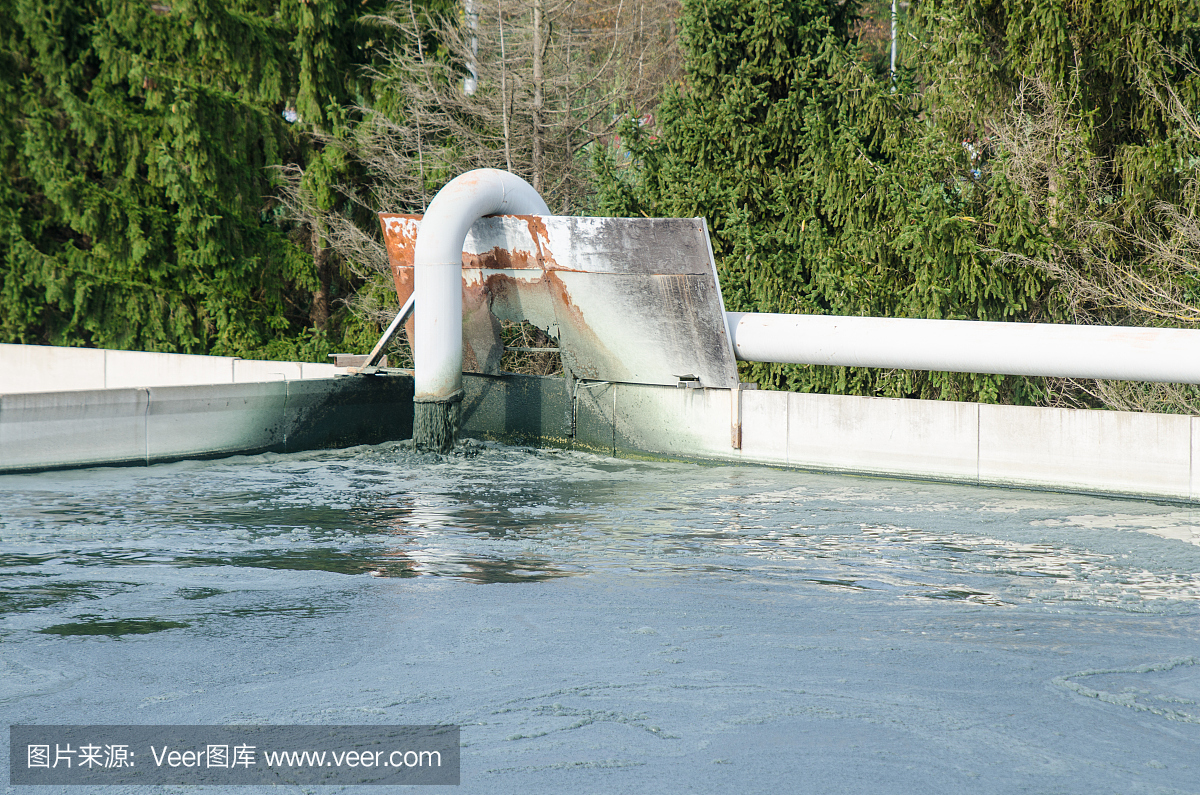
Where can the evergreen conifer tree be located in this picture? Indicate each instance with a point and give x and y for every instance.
(1085, 116)
(137, 144)
(827, 190)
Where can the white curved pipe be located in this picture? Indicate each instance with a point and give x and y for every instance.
(437, 269)
(1113, 352)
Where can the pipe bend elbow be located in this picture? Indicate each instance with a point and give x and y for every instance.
(463, 201)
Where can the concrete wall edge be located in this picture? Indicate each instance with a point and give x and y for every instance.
(1120, 454)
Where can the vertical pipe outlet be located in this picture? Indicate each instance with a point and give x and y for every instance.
(437, 276)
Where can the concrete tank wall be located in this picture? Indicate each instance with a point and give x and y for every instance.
(145, 425)
(1107, 452)
(46, 368)
(161, 407)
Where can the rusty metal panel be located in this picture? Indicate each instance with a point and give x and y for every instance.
(632, 300)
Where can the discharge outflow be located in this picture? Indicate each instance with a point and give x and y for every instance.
(436, 422)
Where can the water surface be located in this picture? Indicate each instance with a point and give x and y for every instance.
(600, 625)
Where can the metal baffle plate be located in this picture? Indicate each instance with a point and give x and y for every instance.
(630, 300)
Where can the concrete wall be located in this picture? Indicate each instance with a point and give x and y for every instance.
(45, 368)
(284, 406)
(144, 425)
(1105, 452)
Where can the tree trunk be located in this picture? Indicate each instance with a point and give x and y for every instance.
(1053, 190)
(318, 313)
(504, 91)
(539, 51)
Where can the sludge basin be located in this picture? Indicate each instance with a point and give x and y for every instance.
(604, 625)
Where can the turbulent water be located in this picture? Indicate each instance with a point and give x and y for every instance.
(600, 625)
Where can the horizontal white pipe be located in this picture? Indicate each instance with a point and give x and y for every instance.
(437, 269)
(1119, 353)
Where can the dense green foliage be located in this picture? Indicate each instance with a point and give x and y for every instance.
(137, 146)
(825, 191)
(1087, 110)
(1104, 65)
(1089, 103)
(830, 189)
(1016, 168)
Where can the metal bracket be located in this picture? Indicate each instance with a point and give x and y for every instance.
(735, 406)
(392, 330)
(353, 360)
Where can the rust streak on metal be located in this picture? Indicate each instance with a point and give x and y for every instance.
(502, 259)
(571, 318)
(541, 239)
(482, 347)
(400, 240)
